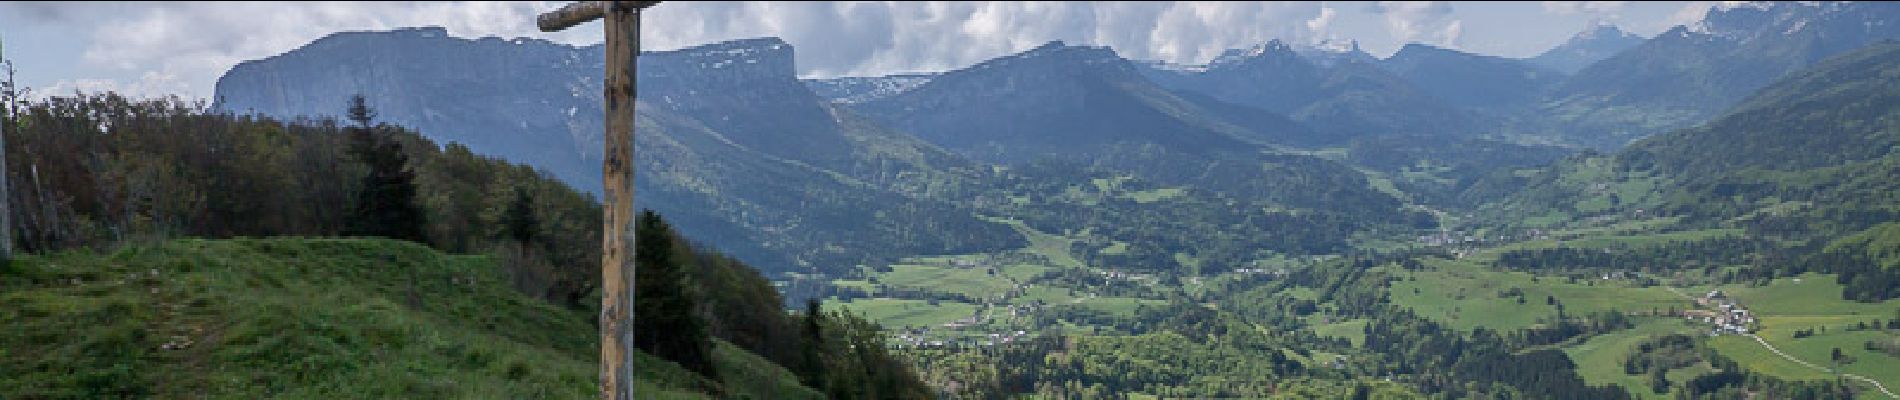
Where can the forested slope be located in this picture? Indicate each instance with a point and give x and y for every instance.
(113, 303)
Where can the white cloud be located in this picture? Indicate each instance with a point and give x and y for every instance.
(1600, 8)
(864, 38)
(151, 84)
(188, 45)
(1691, 13)
(1319, 24)
(194, 43)
(69, 86)
(1427, 22)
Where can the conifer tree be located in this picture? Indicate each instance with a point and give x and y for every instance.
(668, 316)
(812, 347)
(520, 223)
(386, 202)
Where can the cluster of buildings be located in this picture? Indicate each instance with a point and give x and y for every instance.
(1727, 315)
(920, 339)
(1454, 238)
(1021, 310)
(1125, 276)
(966, 263)
(914, 340)
(1281, 271)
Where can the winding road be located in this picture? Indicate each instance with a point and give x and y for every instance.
(1877, 385)
(1764, 343)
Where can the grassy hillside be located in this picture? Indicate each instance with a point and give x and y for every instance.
(1814, 149)
(309, 318)
(1467, 296)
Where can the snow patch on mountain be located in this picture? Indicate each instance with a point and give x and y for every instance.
(854, 90)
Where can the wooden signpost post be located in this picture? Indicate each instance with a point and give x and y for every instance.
(616, 301)
(6, 128)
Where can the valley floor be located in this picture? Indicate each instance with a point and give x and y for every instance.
(942, 305)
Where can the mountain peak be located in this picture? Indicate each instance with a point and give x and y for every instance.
(1061, 47)
(1330, 52)
(1059, 52)
(1416, 47)
(1746, 21)
(1271, 50)
(1594, 43)
(1602, 30)
(1337, 46)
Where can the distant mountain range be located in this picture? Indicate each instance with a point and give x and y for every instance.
(1691, 73)
(1348, 99)
(1057, 101)
(1471, 80)
(731, 145)
(826, 174)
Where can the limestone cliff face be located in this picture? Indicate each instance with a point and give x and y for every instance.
(730, 144)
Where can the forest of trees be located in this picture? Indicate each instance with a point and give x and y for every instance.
(1675, 255)
(97, 171)
(689, 295)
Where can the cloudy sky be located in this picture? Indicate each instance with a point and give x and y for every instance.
(159, 48)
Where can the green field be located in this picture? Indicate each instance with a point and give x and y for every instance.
(1756, 358)
(1814, 302)
(1153, 195)
(864, 285)
(903, 313)
(1047, 294)
(1600, 359)
(1055, 247)
(1815, 294)
(976, 282)
(1124, 306)
(1465, 295)
(1024, 272)
(1352, 330)
(311, 318)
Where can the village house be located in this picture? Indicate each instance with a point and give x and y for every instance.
(1725, 314)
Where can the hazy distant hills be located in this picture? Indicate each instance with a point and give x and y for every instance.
(1472, 80)
(1818, 148)
(1086, 105)
(1587, 47)
(1348, 99)
(1057, 101)
(1688, 74)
